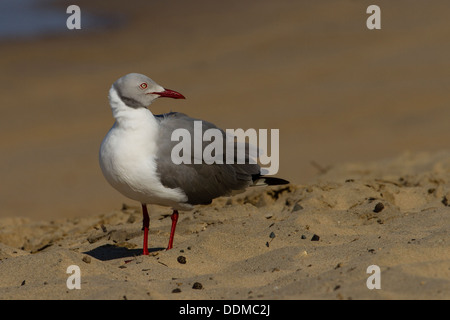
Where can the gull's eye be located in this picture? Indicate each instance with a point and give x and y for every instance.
(143, 85)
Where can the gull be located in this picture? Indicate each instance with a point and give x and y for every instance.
(135, 156)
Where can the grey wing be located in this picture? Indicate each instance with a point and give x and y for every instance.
(201, 182)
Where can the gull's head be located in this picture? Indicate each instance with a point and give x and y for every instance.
(138, 91)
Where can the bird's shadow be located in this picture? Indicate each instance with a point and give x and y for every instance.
(110, 252)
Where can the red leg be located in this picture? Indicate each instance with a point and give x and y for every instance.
(174, 218)
(145, 226)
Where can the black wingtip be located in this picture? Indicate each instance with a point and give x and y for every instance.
(271, 181)
(260, 180)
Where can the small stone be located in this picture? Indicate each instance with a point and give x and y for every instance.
(378, 207)
(176, 290)
(197, 286)
(315, 237)
(272, 235)
(181, 259)
(303, 236)
(297, 207)
(86, 259)
(304, 253)
(23, 283)
(445, 201)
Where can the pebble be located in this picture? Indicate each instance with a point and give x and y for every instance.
(315, 237)
(378, 207)
(86, 259)
(181, 259)
(197, 285)
(297, 207)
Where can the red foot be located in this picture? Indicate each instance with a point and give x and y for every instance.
(145, 225)
(174, 218)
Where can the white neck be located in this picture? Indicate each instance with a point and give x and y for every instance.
(129, 116)
(128, 152)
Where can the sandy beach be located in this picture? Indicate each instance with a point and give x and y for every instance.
(364, 139)
(313, 241)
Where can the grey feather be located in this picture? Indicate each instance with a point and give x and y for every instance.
(201, 182)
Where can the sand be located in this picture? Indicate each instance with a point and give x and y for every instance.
(293, 242)
(363, 118)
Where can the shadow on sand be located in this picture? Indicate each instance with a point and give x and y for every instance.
(110, 252)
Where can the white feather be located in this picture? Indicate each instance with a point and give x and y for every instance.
(127, 157)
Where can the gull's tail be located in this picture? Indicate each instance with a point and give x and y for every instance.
(259, 180)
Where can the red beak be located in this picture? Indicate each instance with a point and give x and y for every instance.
(167, 93)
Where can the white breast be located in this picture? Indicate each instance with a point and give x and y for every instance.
(127, 156)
